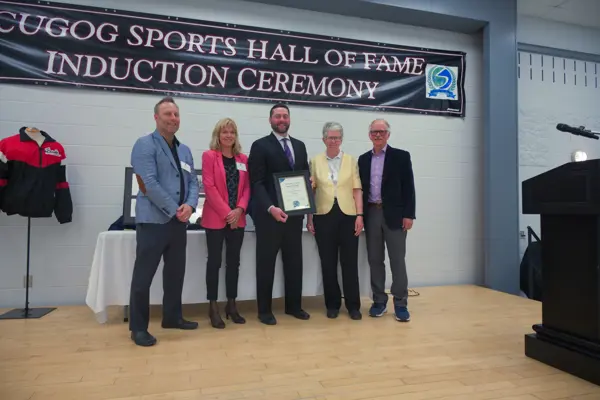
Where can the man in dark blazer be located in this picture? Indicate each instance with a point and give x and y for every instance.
(276, 152)
(388, 186)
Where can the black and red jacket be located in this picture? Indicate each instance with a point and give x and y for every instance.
(33, 178)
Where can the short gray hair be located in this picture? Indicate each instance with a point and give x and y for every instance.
(387, 124)
(332, 126)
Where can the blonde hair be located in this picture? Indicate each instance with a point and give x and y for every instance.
(215, 143)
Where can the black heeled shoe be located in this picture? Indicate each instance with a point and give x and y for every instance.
(231, 311)
(215, 318)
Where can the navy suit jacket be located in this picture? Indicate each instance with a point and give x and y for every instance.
(397, 186)
(153, 161)
(266, 158)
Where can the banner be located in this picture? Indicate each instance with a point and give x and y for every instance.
(47, 43)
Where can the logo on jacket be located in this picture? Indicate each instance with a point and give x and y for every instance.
(441, 82)
(52, 152)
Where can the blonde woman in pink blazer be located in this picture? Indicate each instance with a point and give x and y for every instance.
(227, 189)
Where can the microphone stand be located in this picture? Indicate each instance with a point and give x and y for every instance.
(587, 133)
(26, 313)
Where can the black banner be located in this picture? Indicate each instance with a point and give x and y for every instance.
(47, 43)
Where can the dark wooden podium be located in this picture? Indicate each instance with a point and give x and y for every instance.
(567, 198)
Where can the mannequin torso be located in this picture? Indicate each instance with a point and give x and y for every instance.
(35, 135)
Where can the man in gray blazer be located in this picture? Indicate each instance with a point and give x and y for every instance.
(168, 196)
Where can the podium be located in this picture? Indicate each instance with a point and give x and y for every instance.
(567, 198)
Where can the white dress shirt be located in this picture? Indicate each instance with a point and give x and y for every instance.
(334, 168)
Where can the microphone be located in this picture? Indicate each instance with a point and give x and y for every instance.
(581, 131)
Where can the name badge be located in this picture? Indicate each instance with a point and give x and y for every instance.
(186, 167)
(241, 166)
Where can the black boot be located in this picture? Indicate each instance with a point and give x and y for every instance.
(231, 311)
(215, 318)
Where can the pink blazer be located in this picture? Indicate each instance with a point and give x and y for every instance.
(216, 203)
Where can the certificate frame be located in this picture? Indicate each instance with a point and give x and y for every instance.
(309, 208)
(130, 196)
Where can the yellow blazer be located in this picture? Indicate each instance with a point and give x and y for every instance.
(348, 180)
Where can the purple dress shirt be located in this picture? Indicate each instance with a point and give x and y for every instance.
(376, 175)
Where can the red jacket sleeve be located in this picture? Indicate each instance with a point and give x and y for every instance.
(245, 182)
(212, 197)
(63, 206)
(3, 169)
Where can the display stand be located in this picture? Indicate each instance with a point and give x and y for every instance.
(27, 313)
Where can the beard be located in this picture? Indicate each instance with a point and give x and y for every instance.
(281, 128)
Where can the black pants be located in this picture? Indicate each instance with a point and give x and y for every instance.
(214, 243)
(156, 241)
(272, 236)
(334, 233)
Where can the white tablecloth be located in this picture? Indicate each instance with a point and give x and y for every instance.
(112, 268)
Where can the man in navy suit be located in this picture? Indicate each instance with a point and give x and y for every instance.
(388, 186)
(275, 230)
(167, 198)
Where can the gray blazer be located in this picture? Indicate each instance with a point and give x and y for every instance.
(152, 160)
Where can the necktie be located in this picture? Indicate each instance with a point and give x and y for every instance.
(288, 152)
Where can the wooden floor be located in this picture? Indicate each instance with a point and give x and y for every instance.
(463, 343)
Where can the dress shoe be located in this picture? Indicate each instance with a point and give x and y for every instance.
(143, 338)
(301, 314)
(267, 319)
(355, 315)
(214, 316)
(332, 314)
(181, 324)
(231, 311)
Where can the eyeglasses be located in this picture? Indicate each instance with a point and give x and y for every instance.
(378, 132)
(334, 138)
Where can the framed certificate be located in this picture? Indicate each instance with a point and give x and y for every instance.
(129, 197)
(131, 189)
(294, 192)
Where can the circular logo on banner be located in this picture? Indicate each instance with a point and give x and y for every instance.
(441, 82)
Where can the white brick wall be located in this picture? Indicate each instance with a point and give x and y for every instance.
(554, 90)
(98, 130)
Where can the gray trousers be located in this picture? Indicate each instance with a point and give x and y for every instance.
(379, 236)
(155, 241)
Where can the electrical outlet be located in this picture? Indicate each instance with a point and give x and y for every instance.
(522, 234)
(27, 282)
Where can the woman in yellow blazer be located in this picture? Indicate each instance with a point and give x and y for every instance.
(338, 221)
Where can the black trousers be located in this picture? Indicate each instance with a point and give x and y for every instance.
(334, 233)
(272, 236)
(233, 239)
(156, 241)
